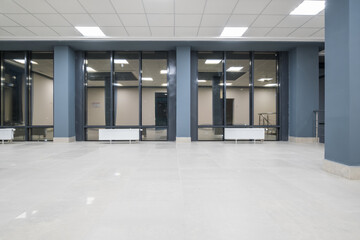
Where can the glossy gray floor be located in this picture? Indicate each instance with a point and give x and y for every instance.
(198, 191)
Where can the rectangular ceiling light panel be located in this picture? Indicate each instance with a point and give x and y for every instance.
(90, 31)
(309, 8)
(121, 61)
(213, 61)
(234, 69)
(233, 32)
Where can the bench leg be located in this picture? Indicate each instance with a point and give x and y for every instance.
(235, 141)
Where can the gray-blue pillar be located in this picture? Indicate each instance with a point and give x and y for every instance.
(342, 87)
(304, 93)
(183, 82)
(64, 94)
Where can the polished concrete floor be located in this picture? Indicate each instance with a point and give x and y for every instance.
(168, 191)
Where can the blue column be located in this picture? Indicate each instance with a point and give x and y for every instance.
(64, 94)
(183, 82)
(304, 93)
(342, 87)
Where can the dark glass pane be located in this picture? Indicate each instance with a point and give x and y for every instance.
(154, 89)
(237, 88)
(154, 134)
(92, 134)
(19, 134)
(13, 84)
(271, 134)
(126, 88)
(209, 134)
(98, 68)
(210, 88)
(42, 134)
(42, 84)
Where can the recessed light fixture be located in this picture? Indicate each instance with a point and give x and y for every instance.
(234, 69)
(121, 61)
(227, 84)
(271, 85)
(309, 8)
(233, 31)
(90, 31)
(22, 61)
(213, 61)
(117, 84)
(265, 79)
(164, 84)
(163, 71)
(147, 79)
(201, 81)
(90, 69)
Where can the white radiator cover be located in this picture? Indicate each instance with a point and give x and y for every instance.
(119, 134)
(7, 133)
(244, 133)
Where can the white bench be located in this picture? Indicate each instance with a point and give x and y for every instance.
(119, 134)
(244, 134)
(7, 134)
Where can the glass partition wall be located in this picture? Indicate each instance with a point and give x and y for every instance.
(127, 90)
(237, 89)
(26, 94)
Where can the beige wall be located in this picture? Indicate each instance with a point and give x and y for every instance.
(264, 102)
(42, 100)
(127, 106)
(96, 106)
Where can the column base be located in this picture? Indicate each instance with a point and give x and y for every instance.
(302, 139)
(342, 170)
(64, 139)
(183, 139)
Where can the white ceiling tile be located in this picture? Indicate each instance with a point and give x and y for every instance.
(214, 20)
(53, 20)
(319, 34)
(126, 6)
(4, 33)
(182, 6)
(161, 20)
(219, 6)
(241, 20)
(316, 21)
(107, 19)
(36, 6)
(19, 31)
(256, 32)
(26, 20)
(280, 32)
(162, 31)
(133, 20)
(114, 31)
(96, 6)
(186, 31)
(159, 6)
(187, 20)
(304, 32)
(80, 20)
(250, 6)
(66, 31)
(5, 21)
(294, 21)
(267, 20)
(138, 31)
(281, 6)
(9, 6)
(210, 32)
(67, 6)
(43, 31)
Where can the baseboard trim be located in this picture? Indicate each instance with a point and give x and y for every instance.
(302, 139)
(183, 139)
(342, 170)
(64, 139)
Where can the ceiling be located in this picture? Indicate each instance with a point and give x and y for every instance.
(157, 19)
